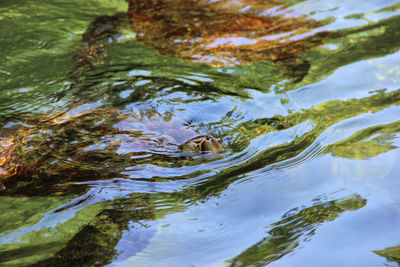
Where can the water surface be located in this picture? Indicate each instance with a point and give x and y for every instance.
(308, 175)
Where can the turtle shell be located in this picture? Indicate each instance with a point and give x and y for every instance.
(222, 32)
(95, 144)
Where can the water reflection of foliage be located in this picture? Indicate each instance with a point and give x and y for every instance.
(391, 253)
(297, 225)
(376, 39)
(322, 116)
(360, 146)
(95, 243)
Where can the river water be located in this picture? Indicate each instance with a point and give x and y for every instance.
(308, 175)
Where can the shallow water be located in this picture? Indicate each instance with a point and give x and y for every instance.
(308, 175)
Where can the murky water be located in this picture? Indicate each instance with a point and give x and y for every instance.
(303, 96)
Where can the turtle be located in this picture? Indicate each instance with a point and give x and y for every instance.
(94, 144)
(222, 33)
(102, 143)
(228, 33)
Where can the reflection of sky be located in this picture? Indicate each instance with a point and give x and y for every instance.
(346, 128)
(223, 227)
(340, 8)
(236, 41)
(350, 239)
(232, 41)
(356, 80)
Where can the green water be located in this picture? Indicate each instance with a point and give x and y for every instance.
(308, 176)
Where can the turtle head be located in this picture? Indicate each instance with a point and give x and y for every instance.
(203, 143)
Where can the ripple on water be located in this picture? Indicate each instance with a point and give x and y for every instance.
(286, 143)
